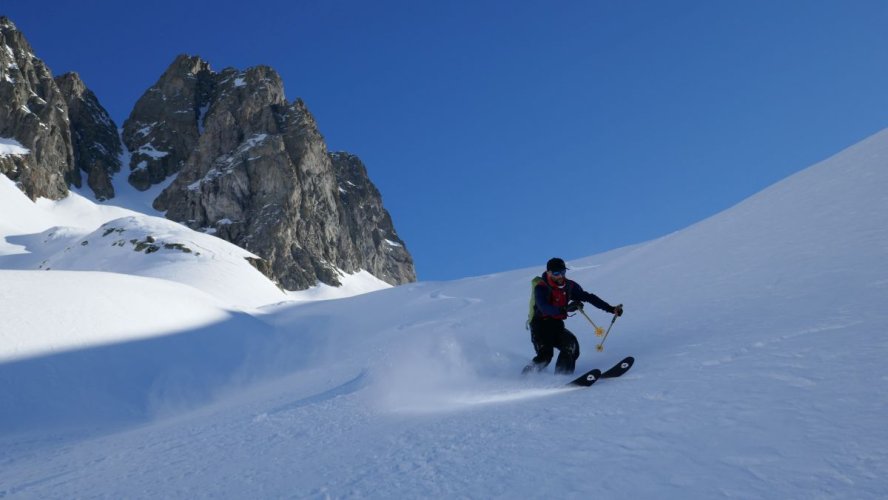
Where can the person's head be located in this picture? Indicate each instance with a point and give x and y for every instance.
(556, 269)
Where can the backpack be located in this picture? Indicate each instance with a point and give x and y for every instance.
(533, 284)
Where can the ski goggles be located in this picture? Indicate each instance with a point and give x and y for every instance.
(557, 273)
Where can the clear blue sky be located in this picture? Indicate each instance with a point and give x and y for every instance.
(503, 133)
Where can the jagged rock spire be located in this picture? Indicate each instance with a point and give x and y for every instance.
(94, 136)
(33, 115)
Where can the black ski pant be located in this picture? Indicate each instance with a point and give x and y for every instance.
(548, 334)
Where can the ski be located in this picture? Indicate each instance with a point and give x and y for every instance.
(592, 376)
(619, 368)
(586, 379)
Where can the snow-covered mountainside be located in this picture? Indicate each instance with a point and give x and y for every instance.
(77, 235)
(760, 339)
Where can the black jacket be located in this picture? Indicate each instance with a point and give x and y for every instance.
(548, 305)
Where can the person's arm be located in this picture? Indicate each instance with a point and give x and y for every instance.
(541, 292)
(577, 293)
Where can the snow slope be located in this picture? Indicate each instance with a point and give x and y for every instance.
(760, 338)
(12, 147)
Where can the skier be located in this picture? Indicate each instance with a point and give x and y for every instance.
(553, 297)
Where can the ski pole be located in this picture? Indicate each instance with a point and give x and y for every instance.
(600, 347)
(599, 331)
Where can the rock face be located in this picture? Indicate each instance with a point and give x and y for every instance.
(254, 169)
(94, 135)
(367, 223)
(33, 113)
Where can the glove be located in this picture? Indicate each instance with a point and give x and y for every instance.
(618, 310)
(574, 306)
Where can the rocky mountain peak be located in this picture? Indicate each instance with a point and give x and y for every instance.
(33, 113)
(259, 175)
(163, 127)
(185, 64)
